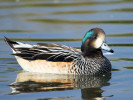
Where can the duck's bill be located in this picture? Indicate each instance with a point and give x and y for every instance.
(107, 48)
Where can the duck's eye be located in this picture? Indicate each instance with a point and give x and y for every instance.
(94, 37)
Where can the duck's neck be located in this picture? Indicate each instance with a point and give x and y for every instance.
(93, 53)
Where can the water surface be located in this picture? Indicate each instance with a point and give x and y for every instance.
(65, 22)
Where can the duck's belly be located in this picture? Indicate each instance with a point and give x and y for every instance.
(43, 66)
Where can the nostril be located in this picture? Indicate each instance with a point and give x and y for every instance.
(104, 44)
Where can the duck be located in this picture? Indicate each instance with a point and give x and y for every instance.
(62, 59)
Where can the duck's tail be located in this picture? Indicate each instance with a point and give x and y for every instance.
(11, 43)
(15, 45)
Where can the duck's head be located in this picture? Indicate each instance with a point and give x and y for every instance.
(94, 40)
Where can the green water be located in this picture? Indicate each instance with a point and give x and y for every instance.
(66, 22)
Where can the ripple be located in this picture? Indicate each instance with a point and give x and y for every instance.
(42, 4)
(76, 12)
(58, 12)
(123, 10)
(129, 67)
(122, 44)
(116, 69)
(124, 59)
(82, 21)
(16, 31)
(120, 35)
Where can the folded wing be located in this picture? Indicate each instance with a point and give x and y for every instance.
(44, 51)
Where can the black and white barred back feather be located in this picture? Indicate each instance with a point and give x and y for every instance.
(45, 51)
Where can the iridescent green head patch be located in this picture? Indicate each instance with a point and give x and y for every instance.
(87, 35)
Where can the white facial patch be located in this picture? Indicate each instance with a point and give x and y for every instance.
(98, 43)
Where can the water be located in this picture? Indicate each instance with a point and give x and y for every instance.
(65, 22)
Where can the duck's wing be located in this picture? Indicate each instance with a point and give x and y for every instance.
(44, 51)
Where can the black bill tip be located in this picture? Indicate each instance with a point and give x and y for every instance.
(112, 51)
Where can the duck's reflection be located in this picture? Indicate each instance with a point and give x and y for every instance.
(34, 82)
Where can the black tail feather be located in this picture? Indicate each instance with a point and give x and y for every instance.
(10, 42)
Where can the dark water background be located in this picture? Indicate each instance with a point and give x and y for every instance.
(65, 22)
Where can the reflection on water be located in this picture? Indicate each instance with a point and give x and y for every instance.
(34, 82)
